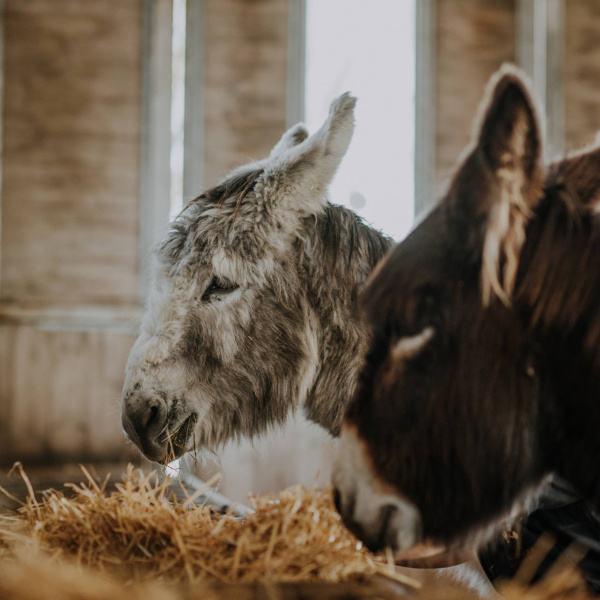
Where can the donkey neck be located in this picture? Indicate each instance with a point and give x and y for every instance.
(338, 253)
(559, 293)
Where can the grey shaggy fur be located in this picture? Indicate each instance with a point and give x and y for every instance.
(253, 309)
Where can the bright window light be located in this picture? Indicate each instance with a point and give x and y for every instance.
(368, 48)
(177, 105)
(173, 468)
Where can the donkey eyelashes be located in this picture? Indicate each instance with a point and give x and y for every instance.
(217, 289)
(422, 308)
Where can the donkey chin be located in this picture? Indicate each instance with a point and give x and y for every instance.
(370, 509)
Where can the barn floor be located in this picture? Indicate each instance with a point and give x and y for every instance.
(438, 584)
(46, 477)
(55, 477)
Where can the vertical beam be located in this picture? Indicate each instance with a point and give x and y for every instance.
(193, 140)
(155, 168)
(540, 51)
(555, 97)
(2, 14)
(425, 126)
(525, 15)
(296, 62)
(193, 126)
(5, 400)
(532, 43)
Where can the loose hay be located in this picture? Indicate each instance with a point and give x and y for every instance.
(38, 577)
(133, 543)
(140, 532)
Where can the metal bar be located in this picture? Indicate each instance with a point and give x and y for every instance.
(540, 53)
(2, 42)
(525, 14)
(540, 46)
(193, 140)
(555, 101)
(212, 497)
(155, 167)
(425, 105)
(296, 62)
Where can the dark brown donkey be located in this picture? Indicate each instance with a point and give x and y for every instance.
(483, 375)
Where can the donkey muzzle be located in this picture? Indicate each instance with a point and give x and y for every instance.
(369, 508)
(144, 421)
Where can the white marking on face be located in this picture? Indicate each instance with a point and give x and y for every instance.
(162, 324)
(364, 495)
(225, 265)
(311, 363)
(595, 206)
(411, 346)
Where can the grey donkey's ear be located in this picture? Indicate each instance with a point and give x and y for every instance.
(292, 137)
(509, 146)
(297, 174)
(510, 135)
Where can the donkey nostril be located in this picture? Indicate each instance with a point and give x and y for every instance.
(337, 500)
(384, 538)
(152, 415)
(143, 418)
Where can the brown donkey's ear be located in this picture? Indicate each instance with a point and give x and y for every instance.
(579, 174)
(509, 143)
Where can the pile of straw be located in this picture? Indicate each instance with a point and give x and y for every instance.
(563, 580)
(135, 542)
(39, 577)
(140, 532)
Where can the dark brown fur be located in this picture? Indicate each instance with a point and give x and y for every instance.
(504, 393)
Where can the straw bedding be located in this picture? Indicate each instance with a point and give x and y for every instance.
(135, 542)
(140, 532)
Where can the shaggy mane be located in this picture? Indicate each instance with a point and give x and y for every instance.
(560, 274)
(237, 186)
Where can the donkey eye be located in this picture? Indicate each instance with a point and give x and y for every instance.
(428, 306)
(218, 288)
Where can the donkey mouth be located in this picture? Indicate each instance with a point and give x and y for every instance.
(177, 442)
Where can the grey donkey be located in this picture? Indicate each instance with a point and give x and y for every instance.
(253, 309)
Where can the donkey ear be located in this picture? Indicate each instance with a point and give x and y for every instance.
(509, 137)
(509, 143)
(297, 177)
(292, 137)
(579, 174)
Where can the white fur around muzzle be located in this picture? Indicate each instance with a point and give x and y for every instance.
(363, 496)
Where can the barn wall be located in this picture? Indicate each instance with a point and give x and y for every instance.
(69, 243)
(71, 150)
(63, 389)
(245, 81)
(473, 39)
(70, 192)
(582, 72)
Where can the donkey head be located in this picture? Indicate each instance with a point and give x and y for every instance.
(442, 435)
(227, 346)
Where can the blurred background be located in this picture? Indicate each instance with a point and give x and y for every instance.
(115, 112)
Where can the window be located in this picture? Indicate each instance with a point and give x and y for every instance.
(369, 49)
(177, 105)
